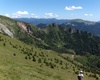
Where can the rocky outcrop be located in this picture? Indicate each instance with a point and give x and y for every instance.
(24, 26)
(4, 29)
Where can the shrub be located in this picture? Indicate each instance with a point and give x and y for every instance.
(4, 44)
(76, 72)
(61, 62)
(29, 57)
(39, 60)
(34, 59)
(14, 54)
(25, 57)
(51, 65)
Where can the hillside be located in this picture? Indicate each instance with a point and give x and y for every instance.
(61, 39)
(19, 61)
(20, 30)
(49, 49)
(53, 36)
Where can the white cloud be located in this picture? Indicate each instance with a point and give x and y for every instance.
(20, 13)
(7, 15)
(85, 14)
(56, 15)
(16, 15)
(51, 15)
(73, 7)
(88, 14)
(35, 16)
(32, 14)
(91, 14)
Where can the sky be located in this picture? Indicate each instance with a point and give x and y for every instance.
(60, 9)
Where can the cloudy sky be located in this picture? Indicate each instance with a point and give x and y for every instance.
(60, 9)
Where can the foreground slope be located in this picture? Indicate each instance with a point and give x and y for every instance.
(19, 61)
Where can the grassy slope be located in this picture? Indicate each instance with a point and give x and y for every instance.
(18, 68)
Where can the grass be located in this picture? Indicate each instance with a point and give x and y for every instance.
(14, 66)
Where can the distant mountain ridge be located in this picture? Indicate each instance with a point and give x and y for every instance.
(37, 21)
(90, 26)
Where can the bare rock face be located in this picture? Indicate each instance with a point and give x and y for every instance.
(24, 26)
(12, 28)
(4, 29)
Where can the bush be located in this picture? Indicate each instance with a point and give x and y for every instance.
(51, 65)
(4, 44)
(29, 57)
(76, 72)
(39, 60)
(25, 57)
(14, 54)
(34, 59)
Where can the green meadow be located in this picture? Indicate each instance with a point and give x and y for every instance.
(19, 61)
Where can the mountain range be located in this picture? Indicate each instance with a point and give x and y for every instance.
(37, 21)
(90, 26)
(58, 37)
